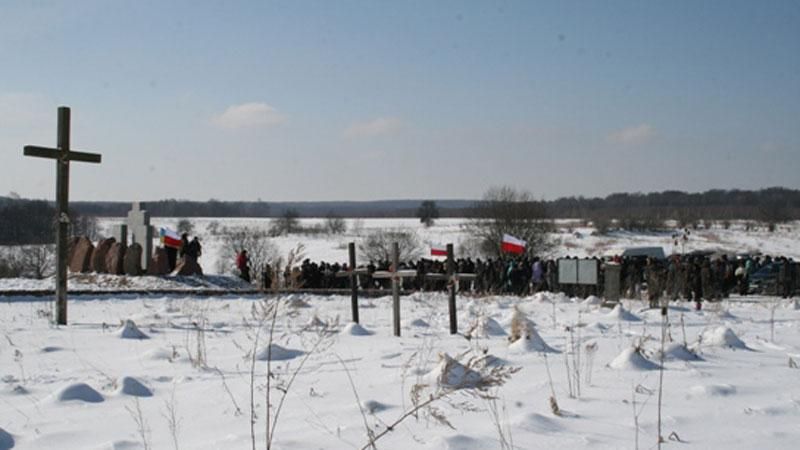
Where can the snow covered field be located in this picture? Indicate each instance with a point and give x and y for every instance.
(91, 386)
(570, 238)
(80, 387)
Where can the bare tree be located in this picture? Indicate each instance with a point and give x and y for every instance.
(506, 210)
(85, 225)
(260, 250)
(185, 226)
(377, 246)
(287, 223)
(334, 224)
(38, 261)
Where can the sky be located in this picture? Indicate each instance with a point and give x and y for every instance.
(350, 100)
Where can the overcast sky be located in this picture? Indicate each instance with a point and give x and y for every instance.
(340, 100)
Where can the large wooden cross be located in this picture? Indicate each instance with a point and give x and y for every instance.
(63, 155)
(396, 276)
(452, 277)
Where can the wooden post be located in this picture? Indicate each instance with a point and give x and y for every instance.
(63, 155)
(396, 289)
(351, 250)
(451, 284)
(62, 212)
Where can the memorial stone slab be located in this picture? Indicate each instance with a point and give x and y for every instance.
(159, 264)
(132, 263)
(138, 222)
(115, 258)
(100, 253)
(81, 255)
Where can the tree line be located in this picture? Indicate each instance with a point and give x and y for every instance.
(30, 221)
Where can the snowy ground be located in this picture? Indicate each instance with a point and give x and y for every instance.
(739, 395)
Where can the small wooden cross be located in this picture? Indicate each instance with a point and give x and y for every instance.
(352, 273)
(453, 279)
(396, 276)
(63, 155)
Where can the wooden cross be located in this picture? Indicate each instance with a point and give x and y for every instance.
(352, 273)
(63, 155)
(453, 279)
(396, 276)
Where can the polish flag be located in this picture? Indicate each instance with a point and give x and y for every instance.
(510, 244)
(170, 238)
(438, 250)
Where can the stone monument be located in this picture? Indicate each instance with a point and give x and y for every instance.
(138, 223)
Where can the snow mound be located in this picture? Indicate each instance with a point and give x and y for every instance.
(354, 329)
(460, 442)
(419, 323)
(275, 352)
(533, 342)
(541, 297)
(592, 300)
(374, 406)
(15, 389)
(537, 423)
(679, 352)
(6, 440)
(724, 314)
(451, 374)
(712, 390)
(620, 313)
(597, 326)
(632, 359)
(722, 337)
(795, 305)
(129, 330)
(133, 387)
(484, 326)
(315, 322)
(296, 302)
(80, 392)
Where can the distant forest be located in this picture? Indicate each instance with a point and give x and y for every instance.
(771, 205)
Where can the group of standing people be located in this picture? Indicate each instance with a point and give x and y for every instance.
(187, 249)
(692, 277)
(698, 277)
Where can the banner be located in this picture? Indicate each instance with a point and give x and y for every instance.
(438, 250)
(512, 245)
(170, 238)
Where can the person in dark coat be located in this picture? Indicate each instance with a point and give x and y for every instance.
(243, 264)
(193, 249)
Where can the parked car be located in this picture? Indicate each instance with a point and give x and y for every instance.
(764, 281)
(644, 252)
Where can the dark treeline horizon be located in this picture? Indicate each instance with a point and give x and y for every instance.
(774, 204)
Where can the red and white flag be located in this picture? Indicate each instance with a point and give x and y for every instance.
(170, 238)
(510, 244)
(438, 250)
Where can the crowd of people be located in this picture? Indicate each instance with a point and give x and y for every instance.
(689, 277)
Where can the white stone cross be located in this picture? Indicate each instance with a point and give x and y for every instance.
(141, 232)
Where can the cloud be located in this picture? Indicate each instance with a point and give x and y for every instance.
(376, 127)
(635, 135)
(249, 115)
